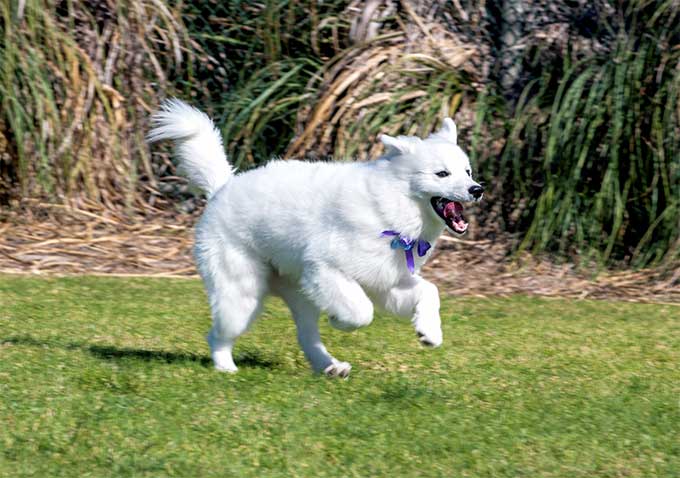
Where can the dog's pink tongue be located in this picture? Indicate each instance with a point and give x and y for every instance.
(453, 209)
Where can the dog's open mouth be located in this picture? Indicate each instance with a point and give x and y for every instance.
(451, 212)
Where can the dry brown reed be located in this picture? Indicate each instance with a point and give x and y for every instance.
(77, 84)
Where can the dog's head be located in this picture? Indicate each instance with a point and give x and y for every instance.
(438, 172)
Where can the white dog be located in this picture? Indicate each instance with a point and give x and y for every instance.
(333, 237)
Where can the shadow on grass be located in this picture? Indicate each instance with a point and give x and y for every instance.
(244, 359)
(254, 359)
(247, 358)
(109, 352)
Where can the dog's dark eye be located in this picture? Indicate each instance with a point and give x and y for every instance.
(468, 172)
(443, 174)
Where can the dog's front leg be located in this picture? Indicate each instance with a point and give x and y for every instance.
(417, 299)
(344, 300)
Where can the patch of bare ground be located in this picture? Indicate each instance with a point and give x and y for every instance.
(54, 239)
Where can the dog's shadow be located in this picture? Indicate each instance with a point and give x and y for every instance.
(247, 358)
(113, 353)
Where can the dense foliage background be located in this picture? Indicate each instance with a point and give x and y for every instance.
(570, 109)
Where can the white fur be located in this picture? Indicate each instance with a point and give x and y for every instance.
(197, 142)
(311, 233)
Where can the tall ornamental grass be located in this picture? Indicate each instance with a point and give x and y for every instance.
(578, 141)
(77, 81)
(593, 150)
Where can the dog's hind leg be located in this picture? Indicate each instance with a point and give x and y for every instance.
(306, 316)
(344, 300)
(236, 286)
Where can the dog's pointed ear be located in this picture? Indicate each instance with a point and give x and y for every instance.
(400, 144)
(449, 130)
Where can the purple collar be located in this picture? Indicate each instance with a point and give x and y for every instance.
(403, 242)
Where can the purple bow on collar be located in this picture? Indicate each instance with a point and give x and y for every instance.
(402, 242)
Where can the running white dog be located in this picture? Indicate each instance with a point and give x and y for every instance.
(333, 237)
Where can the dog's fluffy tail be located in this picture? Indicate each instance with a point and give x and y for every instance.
(198, 144)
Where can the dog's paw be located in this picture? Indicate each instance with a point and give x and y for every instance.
(429, 334)
(429, 331)
(226, 369)
(345, 326)
(338, 369)
(429, 341)
(223, 362)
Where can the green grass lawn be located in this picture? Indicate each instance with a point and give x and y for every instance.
(111, 377)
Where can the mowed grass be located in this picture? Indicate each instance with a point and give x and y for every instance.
(111, 377)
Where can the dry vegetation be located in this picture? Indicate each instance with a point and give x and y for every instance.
(58, 240)
(78, 80)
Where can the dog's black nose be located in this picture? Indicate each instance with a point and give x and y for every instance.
(476, 191)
